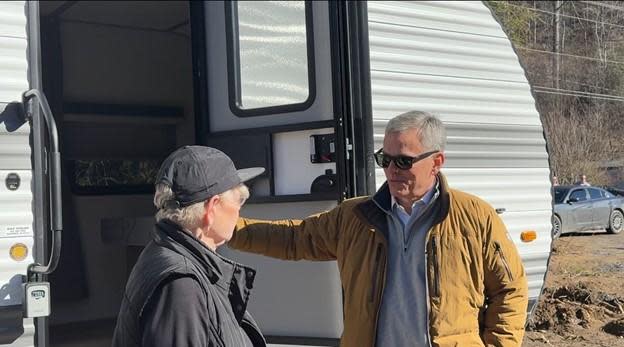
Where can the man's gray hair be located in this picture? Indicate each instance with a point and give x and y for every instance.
(189, 217)
(431, 130)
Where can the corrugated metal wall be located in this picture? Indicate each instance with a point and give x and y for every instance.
(16, 217)
(453, 59)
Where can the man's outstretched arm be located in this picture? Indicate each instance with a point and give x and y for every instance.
(313, 238)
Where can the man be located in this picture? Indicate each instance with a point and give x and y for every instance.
(583, 181)
(421, 264)
(180, 292)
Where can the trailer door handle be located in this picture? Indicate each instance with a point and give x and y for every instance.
(54, 165)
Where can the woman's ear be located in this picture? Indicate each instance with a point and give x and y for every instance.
(209, 210)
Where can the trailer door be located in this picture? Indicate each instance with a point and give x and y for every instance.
(272, 89)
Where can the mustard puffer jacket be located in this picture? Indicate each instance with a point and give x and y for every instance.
(477, 286)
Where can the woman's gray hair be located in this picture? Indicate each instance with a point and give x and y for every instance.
(431, 130)
(189, 217)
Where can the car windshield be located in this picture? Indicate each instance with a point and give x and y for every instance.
(560, 194)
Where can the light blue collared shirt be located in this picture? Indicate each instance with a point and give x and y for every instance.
(418, 208)
(403, 314)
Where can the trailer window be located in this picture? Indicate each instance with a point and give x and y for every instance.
(270, 57)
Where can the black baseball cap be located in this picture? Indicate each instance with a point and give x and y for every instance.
(197, 173)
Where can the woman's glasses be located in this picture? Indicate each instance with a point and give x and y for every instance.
(403, 162)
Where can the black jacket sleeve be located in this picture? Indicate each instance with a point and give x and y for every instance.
(175, 315)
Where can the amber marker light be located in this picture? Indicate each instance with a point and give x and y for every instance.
(528, 235)
(18, 252)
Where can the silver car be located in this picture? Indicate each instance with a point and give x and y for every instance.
(579, 208)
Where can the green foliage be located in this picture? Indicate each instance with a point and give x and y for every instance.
(515, 20)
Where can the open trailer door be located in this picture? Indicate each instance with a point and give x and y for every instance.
(279, 94)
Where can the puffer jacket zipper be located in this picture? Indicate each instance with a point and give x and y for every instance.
(427, 294)
(436, 267)
(376, 270)
(383, 266)
(499, 251)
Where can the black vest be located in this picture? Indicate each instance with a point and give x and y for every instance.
(174, 252)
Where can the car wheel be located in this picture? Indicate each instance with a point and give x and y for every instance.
(616, 222)
(556, 227)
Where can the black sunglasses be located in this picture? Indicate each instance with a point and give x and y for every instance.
(403, 162)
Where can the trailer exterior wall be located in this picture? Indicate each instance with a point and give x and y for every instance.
(16, 215)
(453, 59)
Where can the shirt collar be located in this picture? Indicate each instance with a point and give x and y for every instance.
(424, 201)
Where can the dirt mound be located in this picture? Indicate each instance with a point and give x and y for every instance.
(567, 309)
(582, 303)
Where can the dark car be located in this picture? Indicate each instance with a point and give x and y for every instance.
(580, 208)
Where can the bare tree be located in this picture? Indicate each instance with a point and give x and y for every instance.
(574, 56)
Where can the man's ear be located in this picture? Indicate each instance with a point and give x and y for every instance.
(438, 161)
(209, 207)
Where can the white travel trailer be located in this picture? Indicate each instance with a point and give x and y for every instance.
(298, 88)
